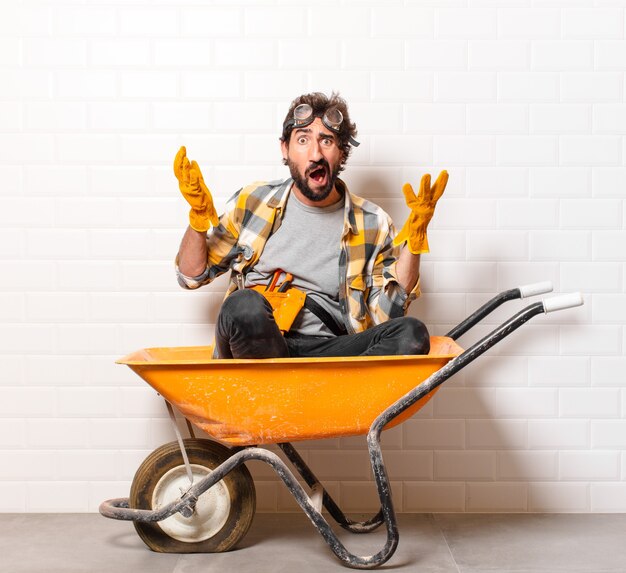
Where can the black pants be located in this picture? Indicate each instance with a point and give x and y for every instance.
(246, 329)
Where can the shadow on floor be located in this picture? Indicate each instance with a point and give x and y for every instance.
(437, 543)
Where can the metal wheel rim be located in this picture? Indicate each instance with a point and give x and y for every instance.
(211, 511)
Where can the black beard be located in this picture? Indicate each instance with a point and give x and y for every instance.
(302, 183)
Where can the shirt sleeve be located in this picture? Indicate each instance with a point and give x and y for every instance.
(387, 298)
(191, 283)
(222, 246)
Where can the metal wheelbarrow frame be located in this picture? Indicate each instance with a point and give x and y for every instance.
(312, 502)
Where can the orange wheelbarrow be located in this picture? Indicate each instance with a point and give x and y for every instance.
(196, 495)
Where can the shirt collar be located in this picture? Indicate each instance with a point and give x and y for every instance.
(280, 195)
(349, 217)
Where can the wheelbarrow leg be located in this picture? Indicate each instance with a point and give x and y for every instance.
(328, 502)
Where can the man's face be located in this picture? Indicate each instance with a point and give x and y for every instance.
(314, 159)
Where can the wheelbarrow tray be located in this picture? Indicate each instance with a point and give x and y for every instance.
(251, 402)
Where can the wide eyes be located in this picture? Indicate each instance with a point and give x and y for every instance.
(324, 142)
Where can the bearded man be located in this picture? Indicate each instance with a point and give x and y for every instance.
(308, 234)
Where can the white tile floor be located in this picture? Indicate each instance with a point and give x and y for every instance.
(442, 543)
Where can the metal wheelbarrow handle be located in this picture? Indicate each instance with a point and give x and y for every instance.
(523, 291)
(553, 304)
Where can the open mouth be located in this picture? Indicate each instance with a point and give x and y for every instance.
(319, 174)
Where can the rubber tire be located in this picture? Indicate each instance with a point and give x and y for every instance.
(210, 455)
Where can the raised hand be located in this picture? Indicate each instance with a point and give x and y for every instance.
(191, 184)
(422, 208)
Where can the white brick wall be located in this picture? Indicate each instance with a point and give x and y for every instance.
(524, 103)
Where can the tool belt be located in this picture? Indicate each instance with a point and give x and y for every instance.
(286, 305)
(287, 301)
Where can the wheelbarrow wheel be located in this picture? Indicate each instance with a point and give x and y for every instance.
(223, 514)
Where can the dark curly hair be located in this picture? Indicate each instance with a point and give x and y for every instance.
(320, 102)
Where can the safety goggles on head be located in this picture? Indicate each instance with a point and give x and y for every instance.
(303, 115)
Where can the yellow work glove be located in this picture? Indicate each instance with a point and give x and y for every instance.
(422, 209)
(191, 183)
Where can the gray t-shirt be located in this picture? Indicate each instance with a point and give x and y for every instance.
(307, 245)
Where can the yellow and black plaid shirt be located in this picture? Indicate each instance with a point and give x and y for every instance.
(369, 292)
